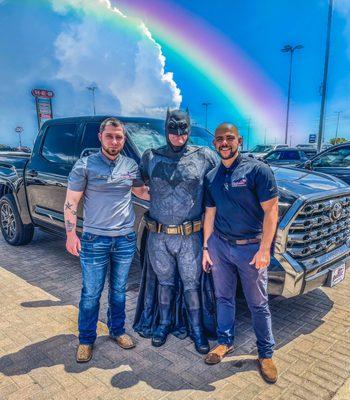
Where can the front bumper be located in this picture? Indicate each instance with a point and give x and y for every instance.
(288, 278)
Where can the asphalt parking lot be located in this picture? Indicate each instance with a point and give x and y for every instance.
(40, 290)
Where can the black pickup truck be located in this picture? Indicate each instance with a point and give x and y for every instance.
(312, 243)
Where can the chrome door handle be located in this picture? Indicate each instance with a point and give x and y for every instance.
(32, 173)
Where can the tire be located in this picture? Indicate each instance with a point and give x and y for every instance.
(12, 228)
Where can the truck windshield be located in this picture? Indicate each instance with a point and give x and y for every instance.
(147, 135)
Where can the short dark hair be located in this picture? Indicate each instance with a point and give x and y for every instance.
(111, 122)
(228, 126)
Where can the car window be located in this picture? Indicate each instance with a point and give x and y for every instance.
(151, 134)
(309, 153)
(59, 143)
(290, 155)
(259, 148)
(273, 156)
(90, 136)
(335, 158)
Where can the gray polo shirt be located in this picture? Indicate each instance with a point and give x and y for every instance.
(108, 209)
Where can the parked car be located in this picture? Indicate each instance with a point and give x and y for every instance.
(261, 149)
(311, 248)
(334, 161)
(287, 157)
(310, 150)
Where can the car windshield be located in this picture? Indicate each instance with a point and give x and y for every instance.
(259, 148)
(339, 158)
(147, 135)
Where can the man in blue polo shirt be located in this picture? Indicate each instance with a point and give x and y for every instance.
(240, 223)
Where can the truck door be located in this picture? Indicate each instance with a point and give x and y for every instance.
(46, 174)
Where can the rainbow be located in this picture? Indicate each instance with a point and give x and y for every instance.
(223, 64)
(215, 57)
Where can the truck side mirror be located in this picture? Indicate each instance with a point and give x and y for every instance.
(308, 165)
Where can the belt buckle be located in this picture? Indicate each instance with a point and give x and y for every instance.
(186, 228)
(172, 230)
(197, 226)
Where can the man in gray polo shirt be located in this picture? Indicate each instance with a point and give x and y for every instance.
(105, 181)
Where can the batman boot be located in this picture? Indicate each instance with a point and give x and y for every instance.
(165, 304)
(201, 343)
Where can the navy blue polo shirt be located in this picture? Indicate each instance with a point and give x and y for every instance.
(237, 192)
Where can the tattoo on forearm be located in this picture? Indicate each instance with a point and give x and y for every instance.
(69, 226)
(69, 206)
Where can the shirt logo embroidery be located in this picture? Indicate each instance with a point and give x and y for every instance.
(239, 182)
(127, 175)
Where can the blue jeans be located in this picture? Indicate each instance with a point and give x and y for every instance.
(97, 254)
(229, 262)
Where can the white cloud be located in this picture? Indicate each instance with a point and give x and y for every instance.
(70, 45)
(128, 67)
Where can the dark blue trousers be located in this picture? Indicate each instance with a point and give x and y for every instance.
(229, 262)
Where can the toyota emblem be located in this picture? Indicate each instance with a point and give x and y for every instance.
(336, 211)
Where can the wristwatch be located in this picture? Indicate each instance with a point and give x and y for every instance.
(205, 248)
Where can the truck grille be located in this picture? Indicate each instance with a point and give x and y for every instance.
(319, 227)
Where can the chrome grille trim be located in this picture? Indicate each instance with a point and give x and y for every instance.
(319, 226)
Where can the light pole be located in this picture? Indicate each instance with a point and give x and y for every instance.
(19, 130)
(338, 118)
(289, 49)
(206, 105)
(325, 77)
(248, 132)
(92, 89)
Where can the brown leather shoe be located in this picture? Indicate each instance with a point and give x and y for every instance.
(217, 354)
(125, 341)
(268, 370)
(84, 353)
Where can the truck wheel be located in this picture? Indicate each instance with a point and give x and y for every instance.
(12, 228)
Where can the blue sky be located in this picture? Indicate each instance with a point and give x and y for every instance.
(52, 44)
(261, 29)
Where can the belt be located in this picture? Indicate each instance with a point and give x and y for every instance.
(240, 241)
(185, 229)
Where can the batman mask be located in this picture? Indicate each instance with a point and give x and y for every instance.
(177, 123)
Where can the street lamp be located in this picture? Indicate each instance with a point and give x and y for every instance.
(325, 77)
(248, 131)
(92, 89)
(338, 118)
(19, 130)
(206, 105)
(289, 49)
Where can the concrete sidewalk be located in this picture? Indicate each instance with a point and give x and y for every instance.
(39, 292)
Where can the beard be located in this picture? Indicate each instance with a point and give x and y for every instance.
(111, 151)
(232, 154)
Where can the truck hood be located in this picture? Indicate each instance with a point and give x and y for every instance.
(298, 182)
(17, 161)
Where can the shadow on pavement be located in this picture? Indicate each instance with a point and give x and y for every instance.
(107, 355)
(45, 264)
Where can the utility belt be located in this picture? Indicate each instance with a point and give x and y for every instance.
(185, 229)
(234, 242)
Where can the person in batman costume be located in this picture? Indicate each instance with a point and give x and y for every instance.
(171, 298)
